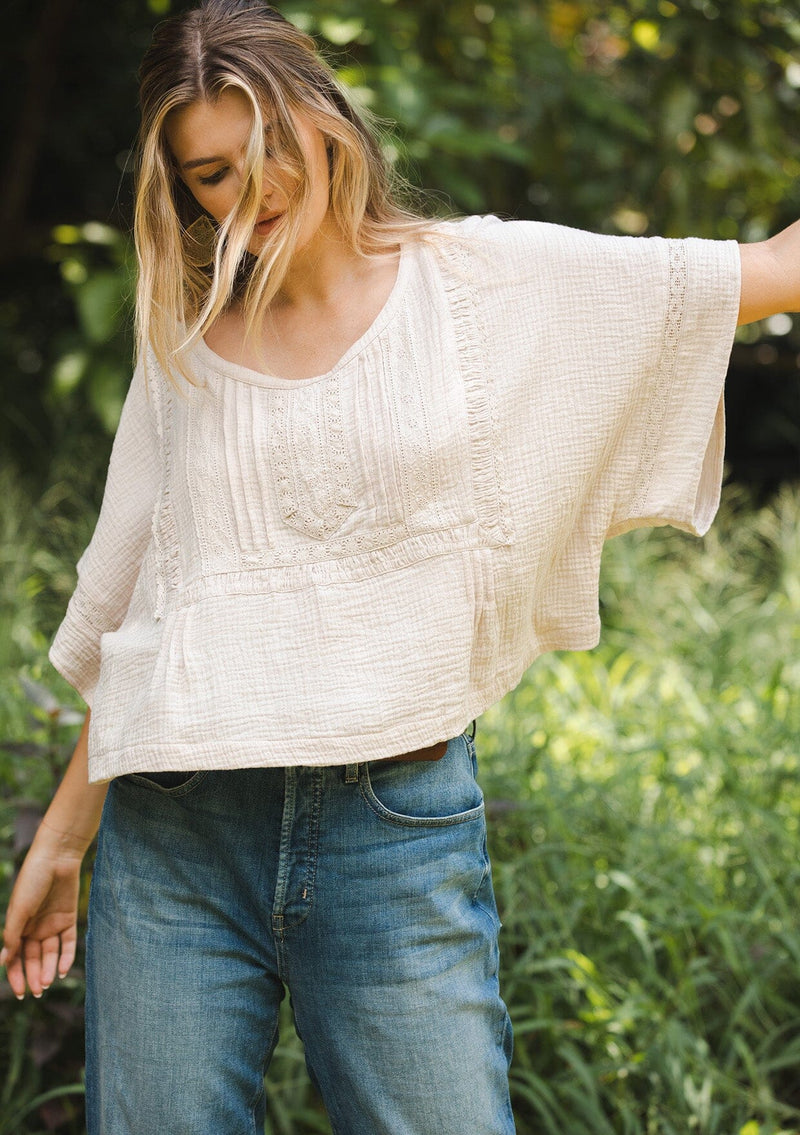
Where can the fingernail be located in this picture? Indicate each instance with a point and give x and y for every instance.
(20, 996)
(45, 988)
(37, 996)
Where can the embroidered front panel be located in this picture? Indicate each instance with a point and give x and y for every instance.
(308, 458)
(393, 445)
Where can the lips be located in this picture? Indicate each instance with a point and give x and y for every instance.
(264, 225)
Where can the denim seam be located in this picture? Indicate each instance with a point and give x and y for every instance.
(282, 875)
(484, 876)
(280, 923)
(505, 1024)
(312, 854)
(260, 1092)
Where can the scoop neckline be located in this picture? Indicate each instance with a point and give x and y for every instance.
(220, 365)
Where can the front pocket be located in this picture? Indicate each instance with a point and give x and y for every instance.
(425, 793)
(167, 783)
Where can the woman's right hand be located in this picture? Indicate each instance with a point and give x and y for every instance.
(41, 930)
(40, 933)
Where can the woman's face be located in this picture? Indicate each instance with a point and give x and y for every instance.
(208, 141)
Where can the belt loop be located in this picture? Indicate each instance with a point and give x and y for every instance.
(474, 728)
(351, 774)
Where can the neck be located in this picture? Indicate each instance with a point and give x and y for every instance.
(318, 271)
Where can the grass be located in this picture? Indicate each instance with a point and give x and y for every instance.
(644, 806)
(645, 844)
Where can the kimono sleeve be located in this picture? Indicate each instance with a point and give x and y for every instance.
(619, 349)
(674, 425)
(109, 567)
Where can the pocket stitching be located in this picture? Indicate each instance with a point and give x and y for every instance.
(181, 790)
(402, 820)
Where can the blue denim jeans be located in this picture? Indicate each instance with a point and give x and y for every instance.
(365, 890)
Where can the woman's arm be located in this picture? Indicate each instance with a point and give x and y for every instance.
(770, 275)
(41, 923)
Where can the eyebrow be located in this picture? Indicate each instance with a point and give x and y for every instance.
(195, 162)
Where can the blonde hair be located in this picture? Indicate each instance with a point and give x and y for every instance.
(250, 47)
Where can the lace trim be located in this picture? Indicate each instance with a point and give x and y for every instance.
(486, 451)
(343, 494)
(90, 612)
(309, 459)
(664, 373)
(165, 535)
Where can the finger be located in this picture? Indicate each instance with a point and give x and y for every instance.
(51, 948)
(69, 945)
(10, 942)
(32, 962)
(16, 976)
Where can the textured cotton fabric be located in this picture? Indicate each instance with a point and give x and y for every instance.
(352, 566)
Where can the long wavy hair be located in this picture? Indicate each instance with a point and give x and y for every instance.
(190, 269)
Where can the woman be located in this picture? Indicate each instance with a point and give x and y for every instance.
(362, 478)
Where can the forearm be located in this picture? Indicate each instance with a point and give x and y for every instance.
(73, 816)
(770, 275)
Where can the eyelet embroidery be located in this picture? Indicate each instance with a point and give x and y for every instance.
(662, 384)
(486, 451)
(165, 537)
(309, 459)
(88, 611)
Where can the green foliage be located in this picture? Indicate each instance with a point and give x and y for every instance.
(96, 265)
(642, 116)
(644, 815)
(636, 117)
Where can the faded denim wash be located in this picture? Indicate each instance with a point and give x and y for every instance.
(365, 890)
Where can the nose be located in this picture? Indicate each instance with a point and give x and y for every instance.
(267, 183)
(267, 189)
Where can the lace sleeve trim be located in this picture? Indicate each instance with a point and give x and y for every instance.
(164, 532)
(665, 372)
(494, 514)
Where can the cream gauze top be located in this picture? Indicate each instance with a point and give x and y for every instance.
(349, 567)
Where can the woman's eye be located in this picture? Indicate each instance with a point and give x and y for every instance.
(214, 178)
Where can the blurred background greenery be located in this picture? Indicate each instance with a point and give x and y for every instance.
(637, 117)
(644, 797)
